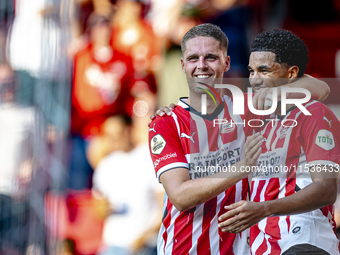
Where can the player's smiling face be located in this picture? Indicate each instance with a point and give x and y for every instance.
(204, 61)
(264, 71)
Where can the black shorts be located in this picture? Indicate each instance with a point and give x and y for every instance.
(305, 249)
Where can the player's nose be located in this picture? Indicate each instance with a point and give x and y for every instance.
(202, 64)
(255, 80)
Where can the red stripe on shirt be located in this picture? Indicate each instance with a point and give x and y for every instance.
(166, 222)
(259, 190)
(273, 229)
(272, 189)
(182, 241)
(203, 244)
(262, 248)
(227, 238)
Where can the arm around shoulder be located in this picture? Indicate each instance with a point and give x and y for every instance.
(319, 89)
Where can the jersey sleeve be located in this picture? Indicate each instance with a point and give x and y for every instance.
(165, 146)
(320, 138)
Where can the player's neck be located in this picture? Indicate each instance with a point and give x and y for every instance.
(278, 108)
(196, 103)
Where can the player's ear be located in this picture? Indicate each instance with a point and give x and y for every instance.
(293, 73)
(182, 64)
(227, 62)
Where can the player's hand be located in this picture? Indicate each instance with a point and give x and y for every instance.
(162, 111)
(241, 215)
(263, 98)
(252, 149)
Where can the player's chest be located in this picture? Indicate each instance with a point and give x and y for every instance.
(211, 147)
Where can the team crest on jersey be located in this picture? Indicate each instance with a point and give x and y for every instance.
(325, 139)
(157, 144)
(227, 127)
(283, 132)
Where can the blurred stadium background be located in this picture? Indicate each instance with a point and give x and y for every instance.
(68, 67)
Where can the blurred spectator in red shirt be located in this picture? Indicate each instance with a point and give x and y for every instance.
(104, 84)
(134, 36)
(103, 79)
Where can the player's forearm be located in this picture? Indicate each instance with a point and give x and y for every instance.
(185, 193)
(319, 90)
(314, 196)
(191, 193)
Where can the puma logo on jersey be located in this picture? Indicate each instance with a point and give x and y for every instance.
(189, 137)
(329, 122)
(153, 128)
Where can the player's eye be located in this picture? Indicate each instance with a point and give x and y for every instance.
(193, 58)
(211, 57)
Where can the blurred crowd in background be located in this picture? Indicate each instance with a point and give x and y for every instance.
(79, 80)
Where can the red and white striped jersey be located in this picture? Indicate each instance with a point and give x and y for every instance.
(293, 145)
(189, 140)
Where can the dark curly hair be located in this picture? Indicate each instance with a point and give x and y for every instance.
(208, 30)
(288, 48)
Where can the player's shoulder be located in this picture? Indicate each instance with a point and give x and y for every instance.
(177, 113)
(317, 108)
(163, 129)
(315, 105)
(161, 121)
(320, 115)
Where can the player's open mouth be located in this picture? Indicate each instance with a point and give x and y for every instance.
(203, 76)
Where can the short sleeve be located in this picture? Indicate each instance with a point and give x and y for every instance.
(320, 137)
(165, 146)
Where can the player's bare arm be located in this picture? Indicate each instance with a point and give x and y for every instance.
(185, 194)
(320, 193)
(319, 91)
